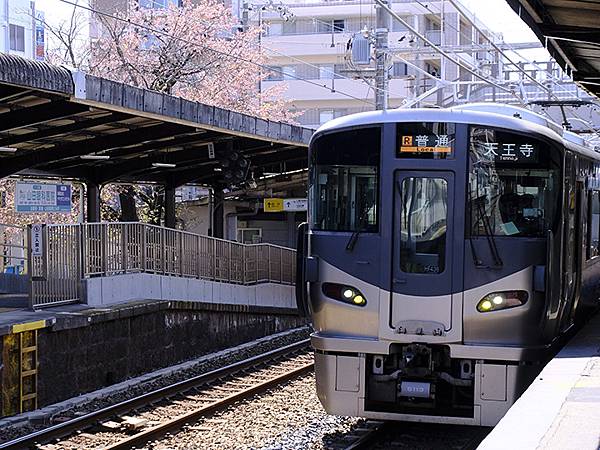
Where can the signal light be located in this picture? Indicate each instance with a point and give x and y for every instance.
(344, 294)
(497, 301)
(234, 166)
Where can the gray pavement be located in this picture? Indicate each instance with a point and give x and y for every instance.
(561, 409)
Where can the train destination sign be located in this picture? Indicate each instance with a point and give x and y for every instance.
(426, 144)
(42, 198)
(510, 152)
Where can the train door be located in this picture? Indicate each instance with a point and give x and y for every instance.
(571, 240)
(422, 274)
(573, 255)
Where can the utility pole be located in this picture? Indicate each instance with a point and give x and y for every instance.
(381, 55)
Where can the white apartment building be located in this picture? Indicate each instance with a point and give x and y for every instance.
(21, 34)
(320, 34)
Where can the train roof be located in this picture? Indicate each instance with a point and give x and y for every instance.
(487, 114)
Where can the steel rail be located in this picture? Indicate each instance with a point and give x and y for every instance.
(80, 423)
(370, 437)
(177, 423)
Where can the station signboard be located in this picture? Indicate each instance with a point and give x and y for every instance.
(42, 198)
(40, 38)
(37, 248)
(273, 204)
(285, 204)
(295, 204)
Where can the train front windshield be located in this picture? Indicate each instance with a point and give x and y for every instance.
(514, 184)
(344, 181)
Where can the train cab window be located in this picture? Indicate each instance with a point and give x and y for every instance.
(423, 224)
(514, 185)
(593, 225)
(344, 181)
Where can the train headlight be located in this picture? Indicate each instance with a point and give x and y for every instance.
(348, 293)
(344, 294)
(502, 300)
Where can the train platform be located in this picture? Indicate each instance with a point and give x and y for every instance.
(561, 408)
(50, 355)
(13, 320)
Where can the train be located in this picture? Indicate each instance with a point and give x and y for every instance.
(446, 254)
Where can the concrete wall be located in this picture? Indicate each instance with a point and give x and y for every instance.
(104, 291)
(196, 219)
(103, 348)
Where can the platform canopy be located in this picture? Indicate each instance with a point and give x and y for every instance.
(54, 122)
(571, 29)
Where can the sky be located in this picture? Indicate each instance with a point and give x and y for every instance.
(499, 17)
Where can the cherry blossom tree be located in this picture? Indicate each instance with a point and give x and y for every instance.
(195, 51)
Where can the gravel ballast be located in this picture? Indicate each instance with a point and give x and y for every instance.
(13, 427)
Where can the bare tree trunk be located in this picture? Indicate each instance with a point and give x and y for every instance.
(128, 208)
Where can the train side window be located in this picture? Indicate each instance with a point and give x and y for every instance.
(593, 225)
(423, 225)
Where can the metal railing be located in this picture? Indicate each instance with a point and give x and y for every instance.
(13, 249)
(56, 273)
(74, 252)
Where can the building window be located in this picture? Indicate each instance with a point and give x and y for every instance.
(327, 26)
(339, 25)
(399, 70)
(339, 70)
(249, 235)
(399, 26)
(432, 69)
(289, 28)
(289, 72)
(158, 4)
(17, 38)
(326, 71)
(325, 115)
(275, 29)
(276, 74)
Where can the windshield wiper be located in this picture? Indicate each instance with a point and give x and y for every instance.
(361, 221)
(489, 234)
(478, 262)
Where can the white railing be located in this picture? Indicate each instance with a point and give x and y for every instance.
(74, 252)
(13, 249)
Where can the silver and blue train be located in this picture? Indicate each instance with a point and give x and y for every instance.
(446, 253)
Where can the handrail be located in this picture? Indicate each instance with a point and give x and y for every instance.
(73, 252)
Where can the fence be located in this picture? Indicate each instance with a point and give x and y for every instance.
(74, 252)
(13, 249)
(14, 271)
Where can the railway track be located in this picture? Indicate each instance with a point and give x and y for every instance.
(378, 435)
(173, 407)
